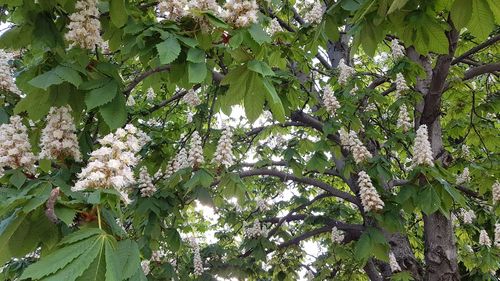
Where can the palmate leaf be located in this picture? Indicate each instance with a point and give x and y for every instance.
(88, 254)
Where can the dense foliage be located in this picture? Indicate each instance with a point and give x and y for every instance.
(145, 140)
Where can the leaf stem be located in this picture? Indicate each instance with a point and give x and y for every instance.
(99, 217)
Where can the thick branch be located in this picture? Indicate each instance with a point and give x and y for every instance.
(309, 181)
(476, 49)
(476, 71)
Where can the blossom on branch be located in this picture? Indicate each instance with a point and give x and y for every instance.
(370, 198)
(172, 10)
(484, 239)
(397, 49)
(59, 138)
(393, 263)
(224, 152)
(85, 27)
(330, 101)
(196, 158)
(241, 13)
(7, 82)
(345, 72)
(404, 121)
(146, 183)
(15, 148)
(337, 235)
(315, 14)
(422, 152)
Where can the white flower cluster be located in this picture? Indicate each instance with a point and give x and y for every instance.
(224, 152)
(370, 107)
(369, 196)
(404, 121)
(484, 239)
(400, 84)
(197, 262)
(393, 263)
(241, 13)
(465, 150)
(345, 72)
(111, 165)
(261, 205)
(15, 148)
(464, 177)
(130, 100)
(85, 28)
(255, 230)
(158, 255)
(330, 101)
(150, 94)
(397, 50)
(495, 190)
(497, 235)
(352, 143)
(274, 27)
(145, 267)
(191, 98)
(7, 82)
(172, 10)
(196, 158)
(146, 183)
(422, 151)
(315, 14)
(179, 162)
(59, 138)
(337, 235)
(467, 216)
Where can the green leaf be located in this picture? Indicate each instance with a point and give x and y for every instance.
(45, 80)
(57, 260)
(428, 200)
(7, 228)
(260, 67)
(66, 215)
(363, 247)
(196, 55)
(197, 72)
(274, 101)
(114, 113)
(254, 100)
(168, 50)
(482, 20)
(461, 12)
(118, 12)
(437, 41)
(129, 258)
(69, 75)
(397, 5)
(102, 95)
(80, 235)
(173, 239)
(258, 34)
(17, 179)
(45, 165)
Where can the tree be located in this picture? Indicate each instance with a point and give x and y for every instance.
(369, 127)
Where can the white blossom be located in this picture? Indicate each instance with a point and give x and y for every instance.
(497, 235)
(404, 121)
(484, 239)
(397, 50)
(256, 230)
(495, 191)
(370, 107)
(261, 204)
(422, 152)
(345, 72)
(191, 98)
(465, 150)
(181, 161)
(15, 148)
(130, 101)
(274, 27)
(150, 94)
(189, 117)
(172, 10)
(7, 82)
(337, 235)
(330, 101)
(467, 216)
(146, 183)
(400, 84)
(197, 262)
(158, 255)
(85, 28)
(205, 6)
(352, 143)
(111, 165)
(145, 267)
(370, 198)
(59, 138)
(196, 158)
(224, 151)
(393, 263)
(315, 14)
(241, 13)
(464, 177)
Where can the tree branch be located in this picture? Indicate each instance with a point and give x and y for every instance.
(476, 49)
(143, 76)
(476, 71)
(309, 181)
